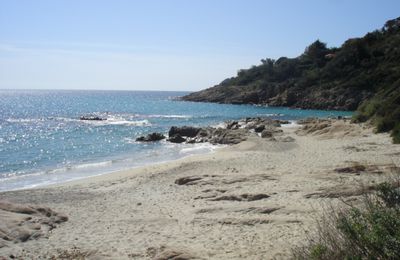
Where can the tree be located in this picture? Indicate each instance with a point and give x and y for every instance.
(392, 25)
(316, 53)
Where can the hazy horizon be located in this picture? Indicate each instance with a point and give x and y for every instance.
(166, 46)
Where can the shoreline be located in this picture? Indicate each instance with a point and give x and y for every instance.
(106, 169)
(79, 171)
(253, 200)
(129, 171)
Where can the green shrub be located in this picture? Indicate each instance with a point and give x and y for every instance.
(318, 251)
(371, 231)
(396, 134)
(384, 124)
(371, 107)
(383, 111)
(389, 194)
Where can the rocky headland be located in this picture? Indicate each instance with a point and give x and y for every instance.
(363, 74)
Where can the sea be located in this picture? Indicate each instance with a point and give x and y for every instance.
(43, 141)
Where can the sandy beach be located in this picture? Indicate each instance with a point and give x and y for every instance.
(253, 200)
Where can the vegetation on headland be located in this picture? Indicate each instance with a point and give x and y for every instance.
(369, 231)
(363, 74)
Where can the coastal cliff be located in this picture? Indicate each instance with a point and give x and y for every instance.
(361, 71)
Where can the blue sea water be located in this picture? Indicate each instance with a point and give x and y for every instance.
(42, 140)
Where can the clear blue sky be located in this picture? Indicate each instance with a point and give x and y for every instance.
(166, 44)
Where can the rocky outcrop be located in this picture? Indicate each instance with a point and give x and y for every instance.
(228, 136)
(187, 131)
(234, 132)
(151, 137)
(211, 135)
(271, 131)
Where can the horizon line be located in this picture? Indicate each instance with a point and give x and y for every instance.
(47, 89)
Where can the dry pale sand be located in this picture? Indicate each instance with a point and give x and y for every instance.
(254, 200)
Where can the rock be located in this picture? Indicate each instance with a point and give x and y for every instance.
(282, 122)
(187, 131)
(234, 133)
(232, 125)
(259, 128)
(176, 138)
(250, 125)
(92, 118)
(267, 133)
(259, 123)
(209, 134)
(205, 132)
(227, 136)
(151, 137)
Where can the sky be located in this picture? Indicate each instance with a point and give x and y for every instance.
(166, 44)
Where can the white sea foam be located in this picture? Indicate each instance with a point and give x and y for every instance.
(117, 121)
(65, 119)
(92, 165)
(24, 120)
(109, 120)
(270, 115)
(220, 125)
(19, 175)
(167, 116)
(198, 148)
(130, 140)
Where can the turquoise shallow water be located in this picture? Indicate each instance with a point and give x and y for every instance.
(42, 140)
